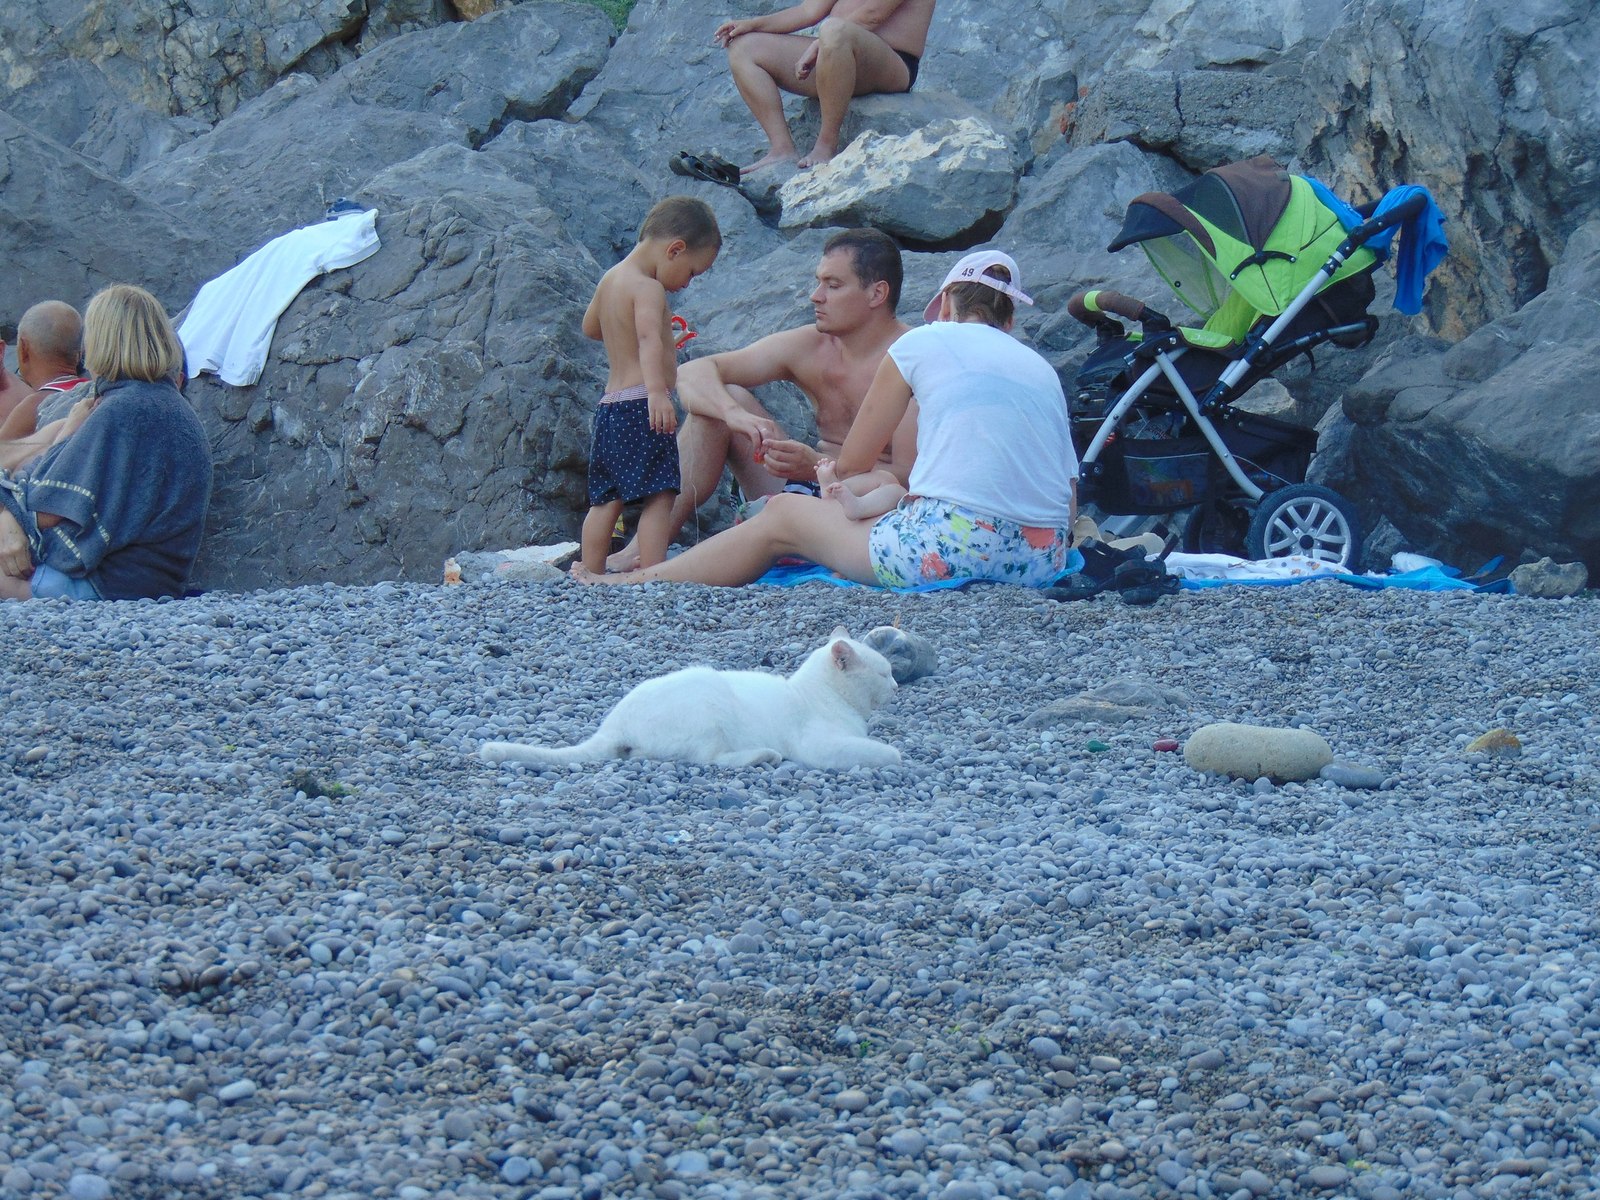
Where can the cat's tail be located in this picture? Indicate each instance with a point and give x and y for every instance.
(591, 750)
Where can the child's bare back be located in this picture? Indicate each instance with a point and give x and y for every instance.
(631, 318)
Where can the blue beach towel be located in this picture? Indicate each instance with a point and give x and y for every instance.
(1423, 579)
(794, 574)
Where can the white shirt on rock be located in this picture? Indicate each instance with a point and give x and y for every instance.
(230, 324)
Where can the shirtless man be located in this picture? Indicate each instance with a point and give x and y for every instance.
(832, 361)
(861, 46)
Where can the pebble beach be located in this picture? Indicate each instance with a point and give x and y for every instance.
(268, 927)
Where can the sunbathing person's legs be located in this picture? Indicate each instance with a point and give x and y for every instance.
(789, 525)
(851, 61)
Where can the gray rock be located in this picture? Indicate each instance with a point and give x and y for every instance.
(907, 1142)
(204, 66)
(1079, 710)
(1202, 117)
(1115, 702)
(1415, 418)
(524, 63)
(1352, 775)
(1043, 1047)
(911, 656)
(934, 184)
(70, 230)
(1549, 580)
(1511, 217)
(74, 103)
(86, 1186)
(852, 1100)
(1256, 752)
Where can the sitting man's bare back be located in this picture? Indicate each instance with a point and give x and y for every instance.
(861, 46)
(832, 361)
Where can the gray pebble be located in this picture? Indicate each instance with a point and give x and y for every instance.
(907, 1142)
(1044, 1047)
(84, 1186)
(852, 1100)
(1348, 775)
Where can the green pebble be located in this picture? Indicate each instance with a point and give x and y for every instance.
(1096, 746)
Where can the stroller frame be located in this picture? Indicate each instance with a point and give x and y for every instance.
(1309, 519)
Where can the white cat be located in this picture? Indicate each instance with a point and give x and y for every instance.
(817, 716)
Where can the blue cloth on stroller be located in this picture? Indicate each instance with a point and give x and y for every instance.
(1423, 244)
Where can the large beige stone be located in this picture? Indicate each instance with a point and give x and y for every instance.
(1254, 751)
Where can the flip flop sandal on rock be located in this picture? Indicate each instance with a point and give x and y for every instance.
(709, 167)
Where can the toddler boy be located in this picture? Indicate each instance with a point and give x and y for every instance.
(633, 454)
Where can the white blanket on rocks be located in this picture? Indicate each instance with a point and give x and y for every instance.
(231, 321)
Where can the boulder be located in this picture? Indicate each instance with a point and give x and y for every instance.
(433, 398)
(602, 196)
(512, 157)
(277, 162)
(281, 158)
(518, 64)
(67, 230)
(1186, 34)
(1459, 446)
(1549, 580)
(1067, 213)
(1202, 118)
(1493, 107)
(201, 61)
(73, 103)
(1257, 752)
(941, 183)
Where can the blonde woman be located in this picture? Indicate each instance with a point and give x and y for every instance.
(115, 508)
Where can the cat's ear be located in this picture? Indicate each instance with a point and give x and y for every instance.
(839, 631)
(843, 654)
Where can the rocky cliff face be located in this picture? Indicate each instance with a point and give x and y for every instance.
(436, 397)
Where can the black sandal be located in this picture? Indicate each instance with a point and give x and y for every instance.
(709, 167)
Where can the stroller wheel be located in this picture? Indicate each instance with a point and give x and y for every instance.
(1306, 519)
(1217, 527)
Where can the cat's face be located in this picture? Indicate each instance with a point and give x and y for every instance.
(862, 672)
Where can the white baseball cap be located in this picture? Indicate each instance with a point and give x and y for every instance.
(971, 270)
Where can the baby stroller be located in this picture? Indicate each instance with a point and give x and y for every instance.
(1276, 267)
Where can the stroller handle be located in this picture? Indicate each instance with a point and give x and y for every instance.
(1090, 307)
(1398, 215)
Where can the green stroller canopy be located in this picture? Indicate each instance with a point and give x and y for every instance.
(1239, 243)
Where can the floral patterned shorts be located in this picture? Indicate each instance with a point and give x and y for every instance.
(925, 539)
